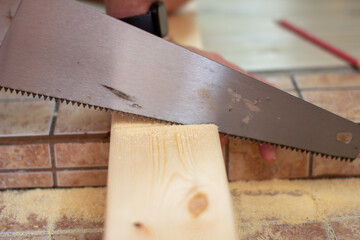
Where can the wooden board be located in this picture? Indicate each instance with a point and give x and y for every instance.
(167, 182)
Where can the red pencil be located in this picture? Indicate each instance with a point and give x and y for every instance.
(350, 59)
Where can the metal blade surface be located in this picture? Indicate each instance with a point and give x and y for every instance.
(68, 51)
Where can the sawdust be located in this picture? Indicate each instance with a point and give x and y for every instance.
(257, 204)
(87, 204)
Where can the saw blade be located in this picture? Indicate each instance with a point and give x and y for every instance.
(65, 50)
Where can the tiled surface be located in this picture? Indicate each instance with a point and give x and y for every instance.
(33, 224)
(72, 152)
(340, 102)
(245, 162)
(246, 32)
(24, 156)
(79, 120)
(82, 178)
(25, 237)
(25, 180)
(25, 118)
(346, 228)
(84, 163)
(337, 93)
(78, 236)
(328, 80)
(63, 214)
(24, 163)
(281, 82)
(75, 162)
(328, 167)
(81, 154)
(69, 224)
(310, 231)
(287, 227)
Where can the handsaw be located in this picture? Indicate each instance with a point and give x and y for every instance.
(66, 51)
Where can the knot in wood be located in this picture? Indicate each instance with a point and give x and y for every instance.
(198, 204)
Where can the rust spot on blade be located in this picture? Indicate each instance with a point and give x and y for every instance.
(10, 16)
(120, 94)
(344, 137)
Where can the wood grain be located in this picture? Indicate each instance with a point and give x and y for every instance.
(167, 182)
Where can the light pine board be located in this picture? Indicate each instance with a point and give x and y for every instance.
(167, 182)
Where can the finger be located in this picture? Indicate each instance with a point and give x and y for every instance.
(224, 139)
(267, 152)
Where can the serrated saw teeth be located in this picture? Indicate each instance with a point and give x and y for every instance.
(145, 118)
(317, 154)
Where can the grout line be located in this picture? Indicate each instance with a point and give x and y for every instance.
(50, 229)
(339, 88)
(66, 138)
(324, 176)
(296, 86)
(50, 188)
(22, 170)
(330, 231)
(53, 165)
(23, 233)
(71, 231)
(346, 217)
(54, 118)
(48, 235)
(52, 147)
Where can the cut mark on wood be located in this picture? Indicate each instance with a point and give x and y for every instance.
(120, 94)
(198, 204)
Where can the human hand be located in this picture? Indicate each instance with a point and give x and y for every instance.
(129, 8)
